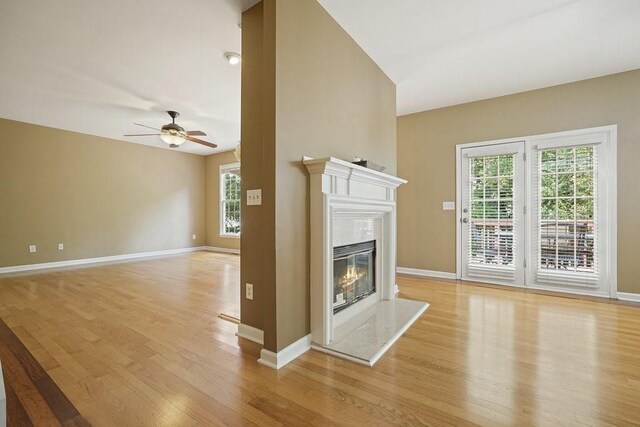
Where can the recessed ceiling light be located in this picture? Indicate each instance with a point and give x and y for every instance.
(232, 57)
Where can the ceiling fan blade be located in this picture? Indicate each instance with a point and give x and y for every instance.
(199, 141)
(145, 126)
(143, 134)
(196, 133)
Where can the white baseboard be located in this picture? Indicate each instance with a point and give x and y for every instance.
(426, 273)
(286, 355)
(3, 401)
(222, 250)
(626, 296)
(97, 260)
(249, 332)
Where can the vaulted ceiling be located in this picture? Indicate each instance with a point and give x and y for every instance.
(97, 67)
(447, 52)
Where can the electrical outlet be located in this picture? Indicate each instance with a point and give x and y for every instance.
(249, 291)
(32, 248)
(193, 237)
(254, 197)
(60, 246)
(448, 206)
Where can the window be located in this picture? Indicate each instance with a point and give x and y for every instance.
(493, 202)
(230, 199)
(567, 209)
(491, 216)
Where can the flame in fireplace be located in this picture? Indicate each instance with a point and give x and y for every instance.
(350, 277)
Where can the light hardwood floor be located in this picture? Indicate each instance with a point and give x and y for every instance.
(140, 344)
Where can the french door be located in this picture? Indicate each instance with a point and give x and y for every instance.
(492, 233)
(540, 212)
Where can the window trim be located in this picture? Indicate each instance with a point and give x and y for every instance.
(609, 178)
(223, 170)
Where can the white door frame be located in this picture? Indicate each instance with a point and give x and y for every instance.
(518, 149)
(611, 240)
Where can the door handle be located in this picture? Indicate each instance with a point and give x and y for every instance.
(465, 220)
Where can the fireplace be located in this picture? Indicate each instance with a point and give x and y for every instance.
(353, 273)
(355, 313)
(353, 247)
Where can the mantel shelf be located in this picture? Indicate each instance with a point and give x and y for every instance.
(341, 168)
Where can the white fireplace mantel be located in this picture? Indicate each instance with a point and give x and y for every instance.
(344, 178)
(348, 204)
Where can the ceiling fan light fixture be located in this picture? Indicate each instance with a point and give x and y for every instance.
(232, 58)
(174, 135)
(173, 138)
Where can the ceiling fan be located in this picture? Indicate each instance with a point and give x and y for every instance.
(174, 135)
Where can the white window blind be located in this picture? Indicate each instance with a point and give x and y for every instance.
(491, 218)
(566, 202)
(230, 187)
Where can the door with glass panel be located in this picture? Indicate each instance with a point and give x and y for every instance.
(492, 208)
(569, 213)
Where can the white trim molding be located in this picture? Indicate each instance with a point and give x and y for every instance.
(222, 250)
(3, 401)
(627, 296)
(286, 355)
(97, 260)
(249, 332)
(229, 236)
(426, 273)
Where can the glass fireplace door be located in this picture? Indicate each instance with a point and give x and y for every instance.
(353, 274)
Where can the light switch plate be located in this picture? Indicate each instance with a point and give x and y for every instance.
(254, 197)
(448, 206)
(32, 248)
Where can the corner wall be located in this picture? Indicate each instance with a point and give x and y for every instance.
(331, 100)
(257, 264)
(100, 197)
(426, 157)
(307, 89)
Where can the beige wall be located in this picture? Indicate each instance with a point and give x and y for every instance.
(320, 96)
(212, 199)
(98, 196)
(426, 157)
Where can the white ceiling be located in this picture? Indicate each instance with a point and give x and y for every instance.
(96, 66)
(447, 52)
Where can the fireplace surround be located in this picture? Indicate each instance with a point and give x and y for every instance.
(350, 205)
(353, 237)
